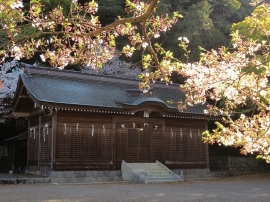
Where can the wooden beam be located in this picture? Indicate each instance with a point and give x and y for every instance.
(36, 112)
(22, 114)
(19, 92)
(24, 96)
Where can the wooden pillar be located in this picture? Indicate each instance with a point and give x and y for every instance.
(13, 156)
(207, 148)
(164, 140)
(28, 145)
(39, 144)
(53, 145)
(113, 147)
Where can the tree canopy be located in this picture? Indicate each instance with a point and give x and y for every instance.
(229, 78)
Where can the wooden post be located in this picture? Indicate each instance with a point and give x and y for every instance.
(13, 156)
(113, 147)
(39, 144)
(164, 140)
(53, 145)
(206, 148)
(28, 145)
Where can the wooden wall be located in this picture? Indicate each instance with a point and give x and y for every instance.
(184, 146)
(102, 141)
(138, 140)
(83, 142)
(39, 141)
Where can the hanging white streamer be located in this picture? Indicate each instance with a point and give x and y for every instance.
(172, 132)
(34, 133)
(134, 125)
(93, 129)
(181, 133)
(30, 132)
(156, 127)
(44, 131)
(65, 128)
(190, 133)
(77, 127)
(104, 130)
(47, 128)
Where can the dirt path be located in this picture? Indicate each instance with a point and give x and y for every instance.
(251, 188)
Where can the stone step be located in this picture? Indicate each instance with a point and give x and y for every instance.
(162, 179)
(160, 176)
(150, 172)
(154, 173)
(155, 169)
(148, 167)
(137, 166)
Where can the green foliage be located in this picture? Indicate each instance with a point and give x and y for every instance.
(3, 36)
(49, 5)
(199, 28)
(109, 10)
(254, 29)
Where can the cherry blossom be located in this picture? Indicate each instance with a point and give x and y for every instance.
(9, 74)
(233, 81)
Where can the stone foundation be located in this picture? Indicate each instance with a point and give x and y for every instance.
(194, 173)
(25, 180)
(85, 176)
(44, 170)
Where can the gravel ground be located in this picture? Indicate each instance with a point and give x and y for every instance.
(251, 188)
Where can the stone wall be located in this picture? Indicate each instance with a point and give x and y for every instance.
(85, 176)
(237, 164)
(232, 166)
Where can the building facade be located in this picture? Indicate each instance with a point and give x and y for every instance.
(79, 121)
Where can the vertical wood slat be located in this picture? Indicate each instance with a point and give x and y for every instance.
(185, 147)
(28, 145)
(85, 142)
(62, 142)
(121, 146)
(156, 145)
(53, 146)
(135, 145)
(39, 132)
(33, 142)
(46, 142)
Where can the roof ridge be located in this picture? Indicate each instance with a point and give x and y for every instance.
(77, 75)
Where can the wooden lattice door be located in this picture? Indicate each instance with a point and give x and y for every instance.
(137, 145)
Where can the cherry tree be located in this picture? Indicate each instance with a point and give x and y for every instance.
(236, 84)
(228, 79)
(117, 68)
(78, 37)
(9, 74)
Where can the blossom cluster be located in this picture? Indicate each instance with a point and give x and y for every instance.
(9, 74)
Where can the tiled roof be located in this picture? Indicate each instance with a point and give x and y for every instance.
(85, 90)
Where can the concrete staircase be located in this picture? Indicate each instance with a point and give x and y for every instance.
(148, 172)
